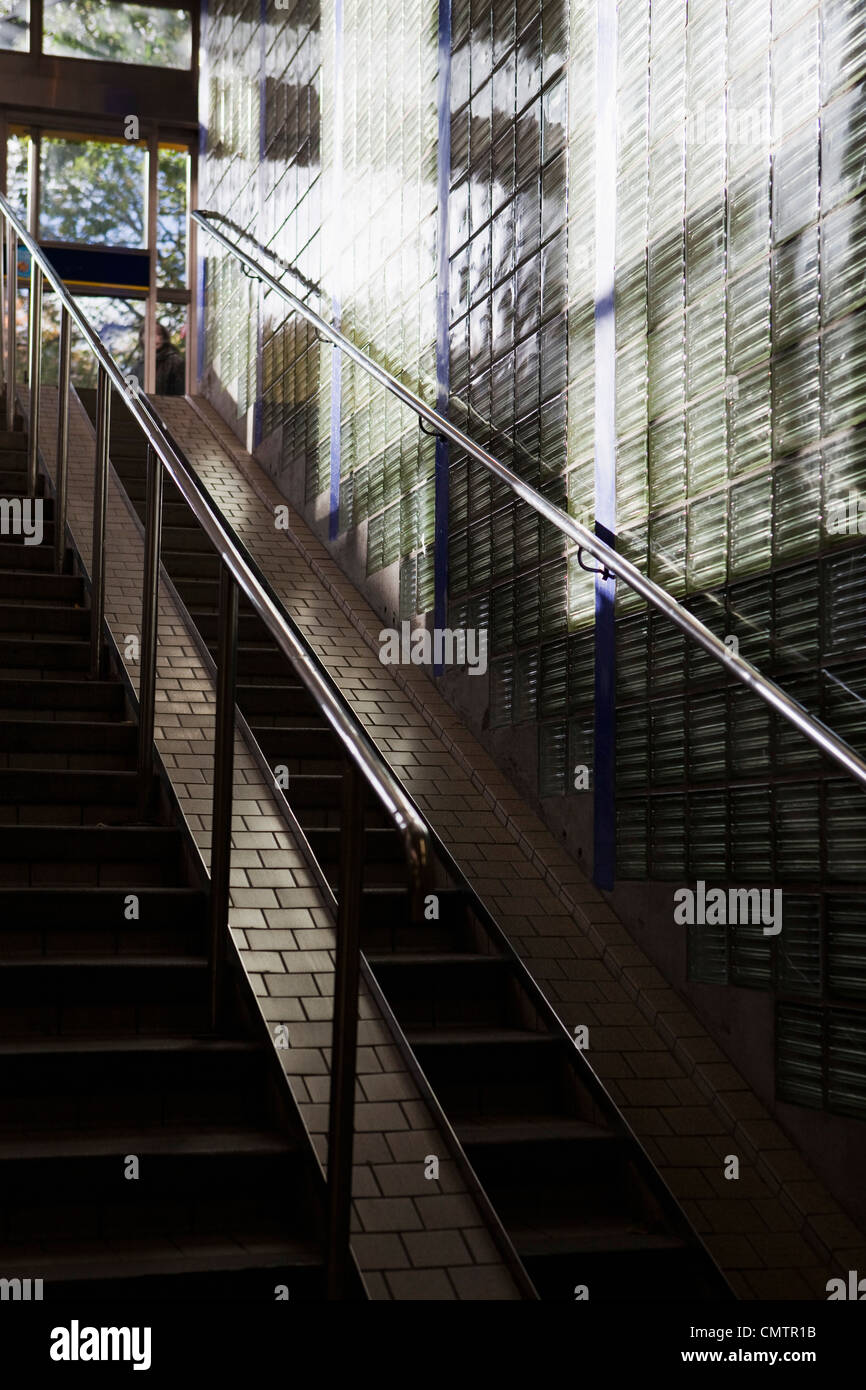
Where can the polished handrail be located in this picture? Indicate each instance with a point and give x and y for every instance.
(365, 764)
(772, 694)
(350, 731)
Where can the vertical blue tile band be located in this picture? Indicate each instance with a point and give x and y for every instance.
(443, 345)
(336, 299)
(604, 806)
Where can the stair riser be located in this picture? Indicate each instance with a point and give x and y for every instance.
(655, 1277)
(25, 557)
(13, 482)
(170, 1216)
(253, 663)
(129, 875)
(388, 911)
(16, 941)
(108, 846)
(426, 936)
(68, 622)
(71, 739)
(250, 627)
(101, 911)
(87, 813)
(80, 1093)
(197, 565)
(508, 1079)
(381, 847)
(99, 1019)
(9, 469)
(255, 1286)
(38, 532)
(84, 791)
(18, 658)
(67, 700)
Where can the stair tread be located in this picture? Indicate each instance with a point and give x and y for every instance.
(42, 606)
(75, 728)
(410, 958)
(145, 828)
(54, 639)
(104, 773)
(103, 962)
(473, 1036)
(58, 892)
(167, 1043)
(579, 1239)
(165, 1141)
(129, 1259)
(12, 687)
(529, 1129)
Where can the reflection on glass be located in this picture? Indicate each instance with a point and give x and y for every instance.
(172, 192)
(93, 191)
(18, 152)
(120, 33)
(119, 324)
(15, 25)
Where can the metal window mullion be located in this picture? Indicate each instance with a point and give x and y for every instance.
(151, 233)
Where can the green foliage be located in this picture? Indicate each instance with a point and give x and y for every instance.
(118, 33)
(171, 217)
(94, 192)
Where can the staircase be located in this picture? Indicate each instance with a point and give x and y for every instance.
(574, 1190)
(141, 1154)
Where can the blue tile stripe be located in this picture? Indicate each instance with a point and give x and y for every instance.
(604, 805)
(443, 345)
(336, 300)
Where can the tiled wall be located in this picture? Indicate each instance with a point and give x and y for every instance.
(509, 301)
(230, 182)
(379, 98)
(741, 392)
(740, 376)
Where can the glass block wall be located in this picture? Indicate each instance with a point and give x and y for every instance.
(380, 122)
(521, 258)
(321, 142)
(290, 221)
(741, 402)
(230, 182)
(739, 302)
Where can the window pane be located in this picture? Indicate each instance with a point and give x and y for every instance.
(171, 356)
(120, 325)
(171, 219)
(93, 191)
(18, 151)
(15, 25)
(118, 33)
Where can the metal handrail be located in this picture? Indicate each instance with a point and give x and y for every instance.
(351, 733)
(238, 572)
(772, 694)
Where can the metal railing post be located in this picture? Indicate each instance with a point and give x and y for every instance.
(149, 625)
(223, 775)
(344, 1034)
(35, 379)
(100, 493)
(11, 305)
(62, 439)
